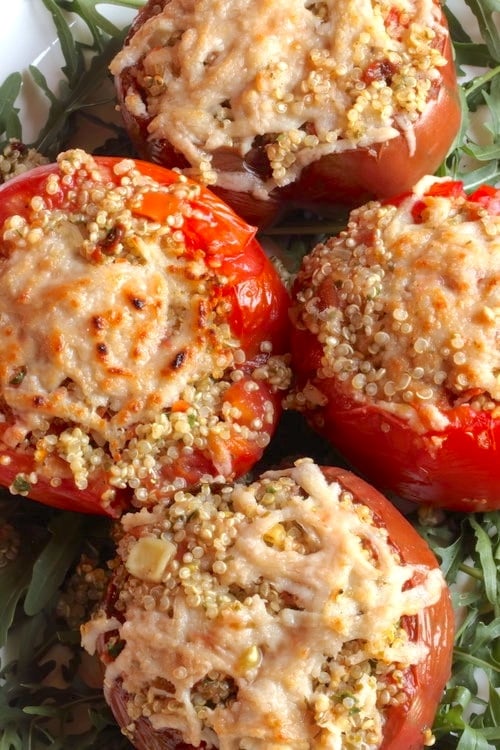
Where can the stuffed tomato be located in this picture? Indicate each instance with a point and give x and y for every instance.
(290, 103)
(395, 344)
(143, 335)
(299, 611)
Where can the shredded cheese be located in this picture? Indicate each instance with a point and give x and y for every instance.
(116, 346)
(276, 624)
(299, 79)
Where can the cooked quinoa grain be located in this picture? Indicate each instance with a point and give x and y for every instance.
(300, 79)
(261, 616)
(118, 359)
(18, 158)
(405, 306)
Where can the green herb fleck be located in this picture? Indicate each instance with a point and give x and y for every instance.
(21, 485)
(18, 376)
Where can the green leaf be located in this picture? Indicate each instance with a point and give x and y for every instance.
(458, 33)
(52, 564)
(14, 581)
(484, 11)
(98, 25)
(469, 53)
(42, 710)
(492, 712)
(53, 133)
(41, 82)
(10, 740)
(485, 551)
(473, 740)
(10, 125)
(72, 53)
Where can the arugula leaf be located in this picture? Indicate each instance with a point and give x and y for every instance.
(98, 24)
(468, 548)
(72, 52)
(85, 69)
(471, 161)
(37, 712)
(485, 10)
(54, 561)
(35, 715)
(10, 124)
(81, 96)
(14, 581)
(490, 572)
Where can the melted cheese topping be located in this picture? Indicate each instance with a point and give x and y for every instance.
(310, 78)
(112, 329)
(107, 321)
(414, 326)
(264, 617)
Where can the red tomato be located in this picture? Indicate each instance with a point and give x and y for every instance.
(117, 332)
(488, 196)
(433, 628)
(440, 447)
(348, 177)
(353, 177)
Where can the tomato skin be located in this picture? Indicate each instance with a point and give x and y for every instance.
(455, 466)
(489, 197)
(354, 177)
(62, 495)
(433, 627)
(348, 178)
(252, 293)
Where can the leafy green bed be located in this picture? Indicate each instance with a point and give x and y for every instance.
(52, 564)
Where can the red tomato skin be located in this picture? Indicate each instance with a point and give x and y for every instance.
(488, 196)
(434, 626)
(64, 494)
(258, 313)
(348, 178)
(454, 468)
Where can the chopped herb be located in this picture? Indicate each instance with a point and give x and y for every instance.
(21, 485)
(115, 647)
(18, 376)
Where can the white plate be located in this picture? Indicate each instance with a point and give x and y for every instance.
(28, 37)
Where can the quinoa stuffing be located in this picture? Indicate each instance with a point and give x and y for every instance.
(312, 78)
(404, 304)
(119, 365)
(261, 616)
(18, 158)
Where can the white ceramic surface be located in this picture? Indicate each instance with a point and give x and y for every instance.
(28, 37)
